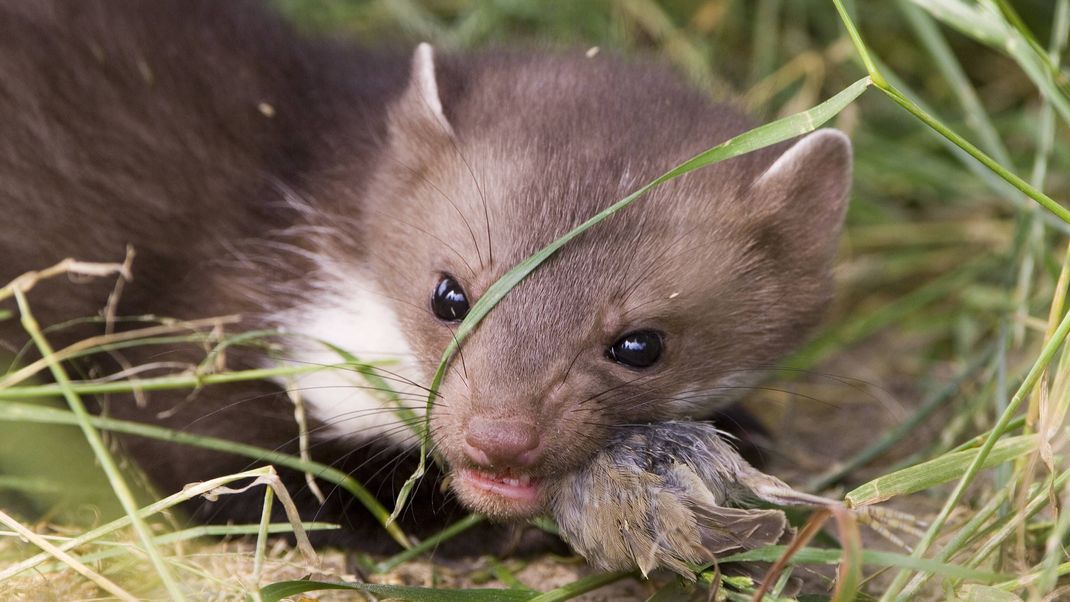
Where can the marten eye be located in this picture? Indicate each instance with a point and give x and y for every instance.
(449, 301)
(639, 349)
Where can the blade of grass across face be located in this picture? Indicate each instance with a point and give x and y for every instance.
(760, 137)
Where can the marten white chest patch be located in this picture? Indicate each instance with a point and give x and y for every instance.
(350, 313)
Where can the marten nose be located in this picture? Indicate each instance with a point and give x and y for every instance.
(491, 442)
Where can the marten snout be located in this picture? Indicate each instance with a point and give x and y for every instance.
(498, 443)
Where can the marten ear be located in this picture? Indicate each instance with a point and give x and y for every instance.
(804, 194)
(419, 110)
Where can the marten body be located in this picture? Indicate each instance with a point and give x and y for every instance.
(368, 199)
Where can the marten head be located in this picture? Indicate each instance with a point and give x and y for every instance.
(667, 309)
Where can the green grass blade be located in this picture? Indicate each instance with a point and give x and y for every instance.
(286, 589)
(869, 558)
(998, 185)
(944, 57)
(176, 382)
(860, 46)
(936, 471)
(381, 389)
(991, 27)
(915, 110)
(1040, 499)
(162, 383)
(428, 544)
(1014, 180)
(261, 537)
(1003, 525)
(963, 536)
(581, 586)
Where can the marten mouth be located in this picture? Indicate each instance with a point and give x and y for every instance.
(508, 493)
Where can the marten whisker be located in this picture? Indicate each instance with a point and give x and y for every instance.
(420, 175)
(391, 376)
